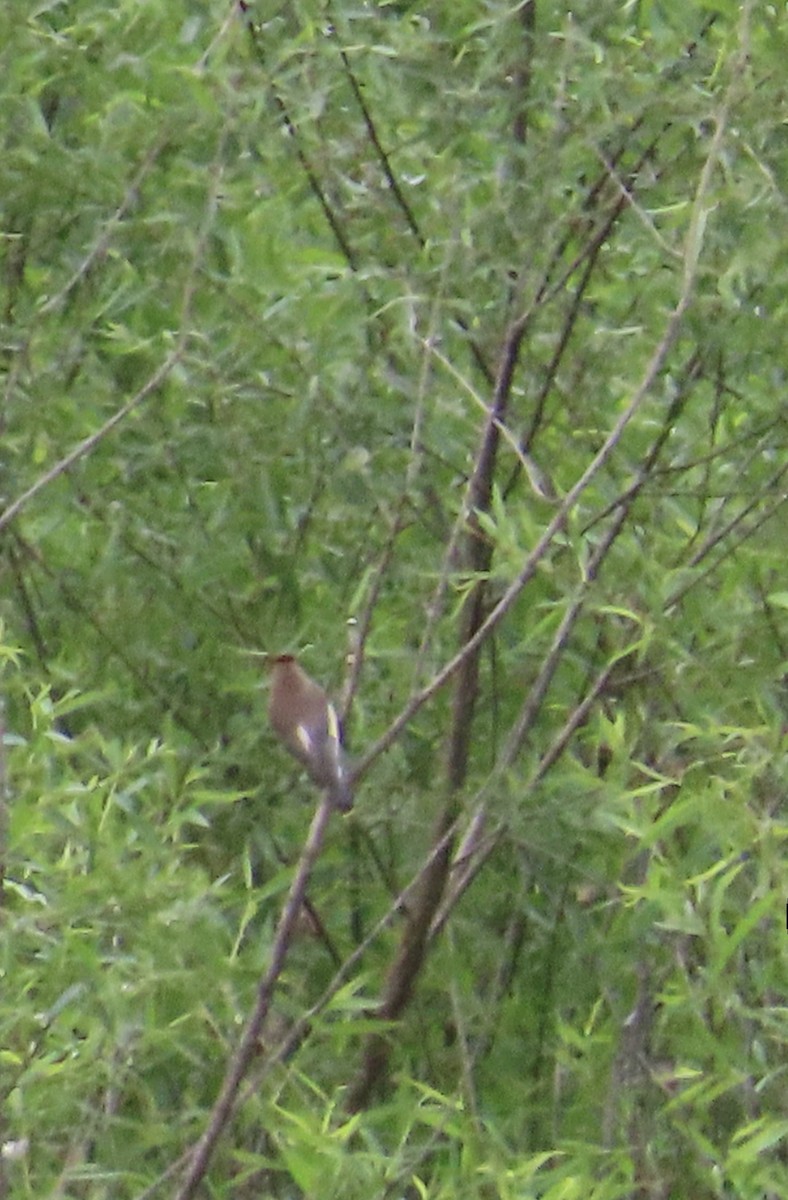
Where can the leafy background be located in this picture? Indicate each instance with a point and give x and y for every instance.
(312, 317)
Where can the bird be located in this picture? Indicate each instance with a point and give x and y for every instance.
(306, 722)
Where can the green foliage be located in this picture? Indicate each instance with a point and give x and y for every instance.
(270, 266)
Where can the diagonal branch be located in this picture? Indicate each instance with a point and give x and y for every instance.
(149, 388)
(247, 1046)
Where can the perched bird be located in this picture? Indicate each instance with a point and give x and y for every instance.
(305, 720)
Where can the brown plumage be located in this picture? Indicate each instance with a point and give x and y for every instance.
(305, 721)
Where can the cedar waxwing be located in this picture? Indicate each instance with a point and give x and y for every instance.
(305, 720)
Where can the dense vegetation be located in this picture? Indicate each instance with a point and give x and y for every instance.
(443, 345)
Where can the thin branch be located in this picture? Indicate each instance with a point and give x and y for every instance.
(523, 71)
(247, 1046)
(311, 175)
(360, 629)
(720, 534)
(512, 593)
(88, 444)
(152, 385)
(4, 799)
(503, 429)
(678, 595)
(474, 557)
(470, 853)
(295, 1036)
(103, 241)
(383, 158)
(600, 459)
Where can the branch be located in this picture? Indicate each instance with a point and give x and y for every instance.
(540, 550)
(383, 158)
(247, 1047)
(88, 444)
(474, 555)
(83, 448)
